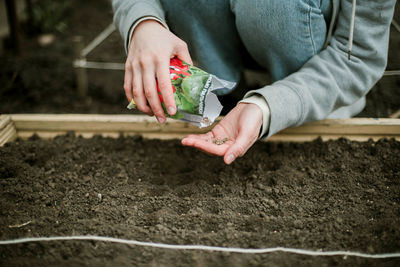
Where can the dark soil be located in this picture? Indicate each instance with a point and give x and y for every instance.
(43, 80)
(336, 195)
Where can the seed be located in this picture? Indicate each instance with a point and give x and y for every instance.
(218, 141)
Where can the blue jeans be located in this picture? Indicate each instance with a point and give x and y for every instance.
(280, 35)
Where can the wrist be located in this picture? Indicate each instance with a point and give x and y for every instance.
(263, 106)
(253, 109)
(143, 21)
(146, 23)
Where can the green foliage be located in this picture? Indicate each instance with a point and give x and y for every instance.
(192, 86)
(50, 15)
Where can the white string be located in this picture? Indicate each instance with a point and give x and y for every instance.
(79, 63)
(83, 63)
(396, 25)
(98, 40)
(201, 247)
(391, 73)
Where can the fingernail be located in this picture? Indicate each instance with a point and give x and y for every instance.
(171, 110)
(230, 158)
(160, 119)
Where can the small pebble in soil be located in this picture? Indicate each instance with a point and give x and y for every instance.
(100, 197)
(218, 141)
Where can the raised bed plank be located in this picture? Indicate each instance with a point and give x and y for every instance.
(7, 130)
(97, 123)
(50, 125)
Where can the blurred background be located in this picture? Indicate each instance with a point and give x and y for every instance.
(38, 51)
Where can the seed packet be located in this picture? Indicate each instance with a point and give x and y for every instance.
(194, 92)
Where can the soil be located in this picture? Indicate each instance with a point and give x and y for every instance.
(336, 195)
(43, 80)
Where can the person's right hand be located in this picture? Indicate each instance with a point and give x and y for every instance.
(151, 48)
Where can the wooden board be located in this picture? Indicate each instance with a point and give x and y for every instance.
(50, 125)
(7, 130)
(98, 123)
(358, 129)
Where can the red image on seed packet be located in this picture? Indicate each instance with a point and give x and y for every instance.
(188, 83)
(178, 70)
(177, 66)
(192, 89)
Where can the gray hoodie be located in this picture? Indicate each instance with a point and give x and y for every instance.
(332, 83)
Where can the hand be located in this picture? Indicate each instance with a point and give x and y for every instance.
(233, 136)
(151, 48)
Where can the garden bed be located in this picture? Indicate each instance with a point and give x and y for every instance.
(334, 195)
(321, 195)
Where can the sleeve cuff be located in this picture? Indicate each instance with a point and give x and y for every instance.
(257, 99)
(134, 25)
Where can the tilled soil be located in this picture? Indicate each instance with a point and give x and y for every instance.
(336, 195)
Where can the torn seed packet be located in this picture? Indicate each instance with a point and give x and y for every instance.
(194, 93)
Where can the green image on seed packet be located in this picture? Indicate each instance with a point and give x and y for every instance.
(189, 84)
(191, 87)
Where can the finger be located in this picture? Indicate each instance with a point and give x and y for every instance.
(138, 94)
(150, 92)
(190, 139)
(205, 143)
(164, 83)
(182, 52)
(128, 81)
(242, 143)
(209, 147)
(151, 112)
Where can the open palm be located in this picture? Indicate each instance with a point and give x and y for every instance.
(232, 136)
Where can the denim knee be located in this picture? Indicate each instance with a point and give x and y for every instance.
(209, 29)
(281, 35)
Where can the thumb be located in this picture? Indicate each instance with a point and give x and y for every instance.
(182, 52)
(243, 142)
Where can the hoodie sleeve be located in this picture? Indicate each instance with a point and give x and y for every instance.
(128, 12)
(329, 80)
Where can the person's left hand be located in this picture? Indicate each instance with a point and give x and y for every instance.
(233, 135)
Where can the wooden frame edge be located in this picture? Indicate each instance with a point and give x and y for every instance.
(51, 125)
(8, 131)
